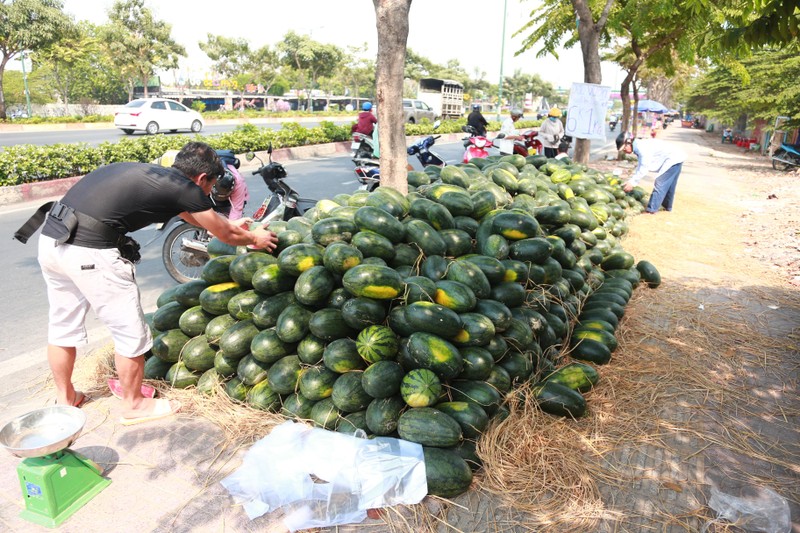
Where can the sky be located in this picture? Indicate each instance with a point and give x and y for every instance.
(470, 31)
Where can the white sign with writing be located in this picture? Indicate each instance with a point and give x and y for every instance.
(586, 114)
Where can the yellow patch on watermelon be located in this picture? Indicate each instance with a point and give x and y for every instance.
(463, 336)
(510, 275)
(305, 264)
(439, 351)
(380, 292)
(442, 298)
(222, 287)
(514, 234)
(350, 262)
(417, 400)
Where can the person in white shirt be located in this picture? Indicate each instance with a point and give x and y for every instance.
(563, 150)
(551, 131)
(510, 132)
(662, 158)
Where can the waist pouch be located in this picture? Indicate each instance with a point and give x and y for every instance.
(69, 221)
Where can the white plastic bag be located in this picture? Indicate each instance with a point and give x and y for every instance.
(756, 509)
(321, 478)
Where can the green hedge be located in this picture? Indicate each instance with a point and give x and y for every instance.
(28, 163)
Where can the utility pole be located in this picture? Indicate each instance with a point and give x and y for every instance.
(502, 56)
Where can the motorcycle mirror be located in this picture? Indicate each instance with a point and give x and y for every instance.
(250, 156)
(500, 135)
(269, 149)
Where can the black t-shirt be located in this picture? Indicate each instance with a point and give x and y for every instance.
(129, 197)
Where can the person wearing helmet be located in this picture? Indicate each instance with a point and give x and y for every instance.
(477, 120)
(510, 133)
(654, 155)
(551, 131)
(237, 192)
(366, 121)
(87, 261)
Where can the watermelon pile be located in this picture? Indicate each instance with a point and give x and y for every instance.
(414, 316)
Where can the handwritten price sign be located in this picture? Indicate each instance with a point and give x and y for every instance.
(586, 114)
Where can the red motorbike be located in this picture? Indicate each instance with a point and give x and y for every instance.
(530, 146)
(476, 145)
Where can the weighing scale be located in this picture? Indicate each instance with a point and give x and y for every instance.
(55, 480)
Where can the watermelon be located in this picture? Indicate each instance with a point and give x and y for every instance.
(348, 393)
(470, 416)
(383, 413)
(429, 427)
(377, 343)
(436, 354)
(383, 379)
(373, 281)
(447, 474)
(316, 382)
(420, 388)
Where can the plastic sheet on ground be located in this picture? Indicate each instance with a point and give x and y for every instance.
(320, 478)
(754, 509)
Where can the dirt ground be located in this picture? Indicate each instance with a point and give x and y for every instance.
(702, 394)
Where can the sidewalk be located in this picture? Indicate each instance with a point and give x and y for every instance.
(165, 475)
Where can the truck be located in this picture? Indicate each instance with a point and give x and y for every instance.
(445, 97)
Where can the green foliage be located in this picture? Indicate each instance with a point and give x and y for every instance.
(198, 105)
(138, 43)
(28, 25)
(762, 86)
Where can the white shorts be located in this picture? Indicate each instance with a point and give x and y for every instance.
(78, 278)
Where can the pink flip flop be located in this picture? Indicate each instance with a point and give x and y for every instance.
(116, 389)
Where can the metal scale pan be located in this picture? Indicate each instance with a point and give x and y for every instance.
(43, 431)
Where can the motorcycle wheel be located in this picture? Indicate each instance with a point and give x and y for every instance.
(184, 263)
(779, 165)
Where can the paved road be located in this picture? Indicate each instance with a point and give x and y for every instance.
(100, 135)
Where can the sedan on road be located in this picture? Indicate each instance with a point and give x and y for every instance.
(152, 115)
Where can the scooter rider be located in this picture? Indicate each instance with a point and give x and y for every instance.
(366, 121)
(551, 131)
(477, 120)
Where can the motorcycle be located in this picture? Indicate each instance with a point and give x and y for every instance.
(368, 170)
(185, 248)
(530, 146)
(476, 145)
(362, 147)
(612, 125)
(786, 157)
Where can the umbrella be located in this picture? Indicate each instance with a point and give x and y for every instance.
(651, 106)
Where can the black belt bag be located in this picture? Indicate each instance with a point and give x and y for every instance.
(70, 220)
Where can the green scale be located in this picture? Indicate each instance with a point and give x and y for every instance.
(55, 480)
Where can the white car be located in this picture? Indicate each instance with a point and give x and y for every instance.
(152, 115)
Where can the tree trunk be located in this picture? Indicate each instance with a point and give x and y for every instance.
(589, 33)
(392, 23)
(2, 96)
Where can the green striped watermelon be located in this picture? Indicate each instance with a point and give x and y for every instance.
(377, 343)
(420, 388)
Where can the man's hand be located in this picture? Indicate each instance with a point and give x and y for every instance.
(265, 240)
(628, 187)
(243, 223)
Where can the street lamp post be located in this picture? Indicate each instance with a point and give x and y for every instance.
(502, 56)
(25, 85)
